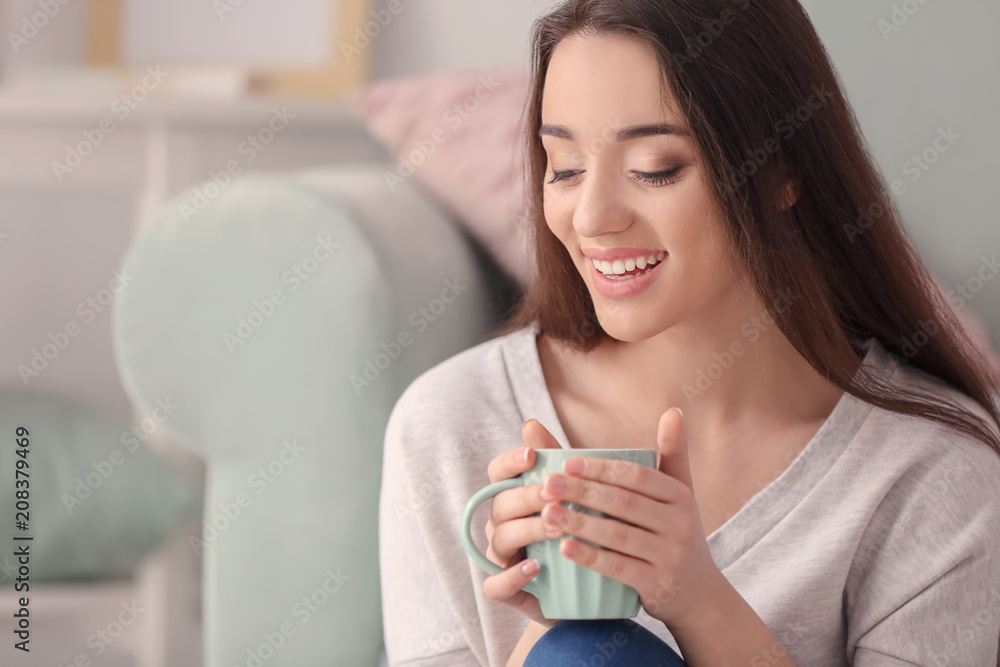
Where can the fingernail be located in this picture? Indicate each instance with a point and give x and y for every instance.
(522, 456)
(551, 529)
(558, 516)
(529, 567)
(529, 419)
(554, 485)
(568, 548)
(574, 466)
(679, 411)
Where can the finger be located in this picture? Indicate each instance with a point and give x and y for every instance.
(510, 463)
(506, 586)
(516, 503)
(673, 447)
(636, 477)
(606, 532)
(504, 560)
(513, 462)
(512, 536)
(537, 436)
(614, 501)
(630, 571)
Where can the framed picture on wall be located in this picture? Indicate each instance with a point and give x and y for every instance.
(306, 48)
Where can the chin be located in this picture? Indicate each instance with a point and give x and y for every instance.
(627, 328)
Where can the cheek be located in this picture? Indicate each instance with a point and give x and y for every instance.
(685, 217)
(691, 213)
(693, 230)
(557, 217)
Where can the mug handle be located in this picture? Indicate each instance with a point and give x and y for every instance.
(466, 528)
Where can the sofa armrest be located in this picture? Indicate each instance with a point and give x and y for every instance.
(285, 314)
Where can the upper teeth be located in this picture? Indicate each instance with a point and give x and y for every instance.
(620, 266)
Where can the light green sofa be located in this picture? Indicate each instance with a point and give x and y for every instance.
(285, 314)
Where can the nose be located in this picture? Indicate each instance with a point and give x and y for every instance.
(602, 206)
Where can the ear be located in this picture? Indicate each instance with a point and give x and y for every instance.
(789, 193)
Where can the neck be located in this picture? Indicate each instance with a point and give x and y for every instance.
(731, 371)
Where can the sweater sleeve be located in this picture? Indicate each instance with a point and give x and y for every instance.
(925, 584)
(440, 438)
(422, 627)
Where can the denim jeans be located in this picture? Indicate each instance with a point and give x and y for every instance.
(619, 642)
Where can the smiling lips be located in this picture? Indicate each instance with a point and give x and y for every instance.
(629, 265)
(622, 273)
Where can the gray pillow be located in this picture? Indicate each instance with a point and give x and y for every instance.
(100, 499)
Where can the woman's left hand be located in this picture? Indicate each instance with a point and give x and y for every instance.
(664, 554)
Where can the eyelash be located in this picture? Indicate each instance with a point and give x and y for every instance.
(663, 177)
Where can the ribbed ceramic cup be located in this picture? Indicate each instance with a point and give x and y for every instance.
(565, 590)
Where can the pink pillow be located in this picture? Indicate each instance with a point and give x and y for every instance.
(458, 135)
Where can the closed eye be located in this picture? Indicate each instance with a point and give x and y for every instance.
(663, 177)
(562, 175)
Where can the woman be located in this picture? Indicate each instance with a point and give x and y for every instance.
(828, 490)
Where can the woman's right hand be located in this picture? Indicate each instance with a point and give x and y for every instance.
(511, 526)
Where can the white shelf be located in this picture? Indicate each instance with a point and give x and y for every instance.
(183, 98)
(20, 108)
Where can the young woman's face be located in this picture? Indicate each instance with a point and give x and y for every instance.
(623, 182)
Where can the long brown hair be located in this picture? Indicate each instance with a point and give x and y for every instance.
(763, 102)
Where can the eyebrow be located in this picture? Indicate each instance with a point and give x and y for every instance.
(623, 134)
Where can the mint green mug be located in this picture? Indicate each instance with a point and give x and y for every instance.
(565, 590)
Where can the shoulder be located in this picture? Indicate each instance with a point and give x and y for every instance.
(933, 446)
(468, 391)
(928, 510)
(926, 477)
